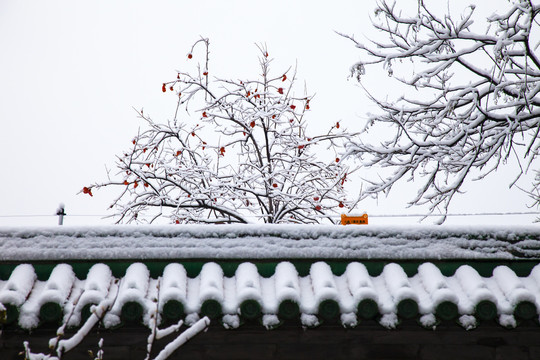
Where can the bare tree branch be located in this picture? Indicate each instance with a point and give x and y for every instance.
(472, 95)
(244, 155)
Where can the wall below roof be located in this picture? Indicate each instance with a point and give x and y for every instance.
(251, 341)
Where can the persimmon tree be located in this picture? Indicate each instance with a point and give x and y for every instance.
(235, 151)
(471, 97)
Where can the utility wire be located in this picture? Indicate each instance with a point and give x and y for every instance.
(23, 216)
(459, 214)
(370, 215)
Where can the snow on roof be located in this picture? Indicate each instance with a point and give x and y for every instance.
(320, 296)
(268, 242)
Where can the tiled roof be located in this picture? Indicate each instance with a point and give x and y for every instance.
(321, 296)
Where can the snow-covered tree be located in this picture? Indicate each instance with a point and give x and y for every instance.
(471, 96)
(236, 151)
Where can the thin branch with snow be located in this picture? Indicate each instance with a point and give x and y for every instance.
(244, 155)
(472, 99)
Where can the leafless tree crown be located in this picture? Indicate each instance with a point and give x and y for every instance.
(236, 151)
(472, 100)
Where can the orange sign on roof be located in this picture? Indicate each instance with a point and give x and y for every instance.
(354, 220)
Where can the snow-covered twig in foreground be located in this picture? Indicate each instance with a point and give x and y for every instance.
(68, 344)
(196, 328)
(29, 355)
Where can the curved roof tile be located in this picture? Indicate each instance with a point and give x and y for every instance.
(320, 296)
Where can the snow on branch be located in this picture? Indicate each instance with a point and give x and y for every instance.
(181, 339)
(472, 98)
(236, 151)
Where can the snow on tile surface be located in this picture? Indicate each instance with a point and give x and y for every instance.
(428, 287)
(96, 288)
(211, 282)
(134, 287)
(173, 285)
(268, 241)
(286, 281)
(16, 289)
(57, 289)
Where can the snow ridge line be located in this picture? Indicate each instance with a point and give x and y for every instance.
(268, 242)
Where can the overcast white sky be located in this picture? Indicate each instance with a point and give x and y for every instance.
(72, 71)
